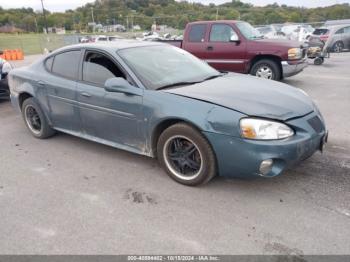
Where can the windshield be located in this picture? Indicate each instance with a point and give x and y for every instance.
(164, 65)
(248, 31)
(321, 31)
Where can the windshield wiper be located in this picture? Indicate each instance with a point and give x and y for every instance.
(177, 84)
(212, 77)
(188, 82)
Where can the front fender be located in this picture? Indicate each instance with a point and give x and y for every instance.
(223, 121)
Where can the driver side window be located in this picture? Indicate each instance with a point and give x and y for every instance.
(222, 33)
(97, 68)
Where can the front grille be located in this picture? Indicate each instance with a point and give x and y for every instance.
(316, 124)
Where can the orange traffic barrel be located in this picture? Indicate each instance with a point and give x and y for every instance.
(19, 54)
(13, 55)
(7, 54)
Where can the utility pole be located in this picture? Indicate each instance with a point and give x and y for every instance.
(45, 21)
(93, 19)
(36, 25)
(217, 13)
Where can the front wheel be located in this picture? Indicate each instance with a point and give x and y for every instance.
(186, 155)
(267, 69)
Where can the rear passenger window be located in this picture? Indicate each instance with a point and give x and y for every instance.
(197, 33)
(67, 64)
(98, 68)
(48, 63)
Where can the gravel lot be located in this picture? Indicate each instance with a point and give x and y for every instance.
(66, 195)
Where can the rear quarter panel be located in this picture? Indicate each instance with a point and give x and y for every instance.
(24, 80)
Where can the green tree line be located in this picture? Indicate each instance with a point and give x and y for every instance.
(170, 12)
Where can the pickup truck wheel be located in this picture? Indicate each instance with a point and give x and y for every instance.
(267, 69)
(186, 155)
(35, 119)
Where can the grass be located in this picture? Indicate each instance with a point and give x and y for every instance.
(31, 43)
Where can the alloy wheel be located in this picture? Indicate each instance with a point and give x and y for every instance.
(32, 119)
(183, 157)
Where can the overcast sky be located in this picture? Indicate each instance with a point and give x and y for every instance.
(61, 5)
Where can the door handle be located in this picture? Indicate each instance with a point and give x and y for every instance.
(210, 48)
(85, 94)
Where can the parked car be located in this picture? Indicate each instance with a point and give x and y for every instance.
(5, 68)
(85, 39)
(301, 34)
(238, 47)
(99, 38)
(114, 38)
(337, 37)
(337, 22)
(270, 32)
(160, 101)
(297, 32)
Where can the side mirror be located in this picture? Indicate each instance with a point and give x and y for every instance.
(234, 38)
(120, 85)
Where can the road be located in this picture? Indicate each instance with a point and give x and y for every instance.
(65, 195)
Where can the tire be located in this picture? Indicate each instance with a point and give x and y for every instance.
(266, 68)
(35, 119)
(338, 46)
(318, 60)
(186, 155)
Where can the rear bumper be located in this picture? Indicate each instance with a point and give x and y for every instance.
(291, 68)
(238, 157)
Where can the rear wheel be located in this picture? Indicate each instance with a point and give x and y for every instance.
(266, 68)
(186, 155)
(35, 119)
(338, 46)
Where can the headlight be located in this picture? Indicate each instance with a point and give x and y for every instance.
(295, 53)
(260, 129)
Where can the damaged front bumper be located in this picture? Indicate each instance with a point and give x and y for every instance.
(238, 157)
(291, 68)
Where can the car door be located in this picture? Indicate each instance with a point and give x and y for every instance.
(195, 40)
(222, 52)
(60, 86)
(110, 116)
(346, 37)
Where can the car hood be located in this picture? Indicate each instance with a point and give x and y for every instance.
(251, 96)
(279, 42)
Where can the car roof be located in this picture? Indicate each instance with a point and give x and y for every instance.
(336, 26)
(112, 46)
